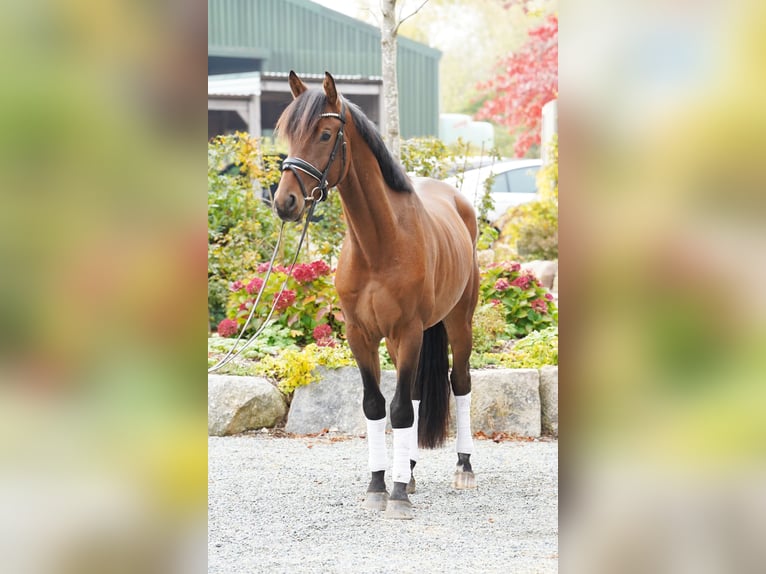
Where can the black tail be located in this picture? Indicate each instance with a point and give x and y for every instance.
(433, 387)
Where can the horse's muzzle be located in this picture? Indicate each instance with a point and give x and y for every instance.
(289, 207)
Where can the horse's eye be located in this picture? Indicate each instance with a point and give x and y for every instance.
(325, 136)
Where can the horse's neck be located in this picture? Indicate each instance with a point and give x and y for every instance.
(370, 216)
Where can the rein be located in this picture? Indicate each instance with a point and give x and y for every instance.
(293, 164)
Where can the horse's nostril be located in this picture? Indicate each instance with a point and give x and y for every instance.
(291, 201)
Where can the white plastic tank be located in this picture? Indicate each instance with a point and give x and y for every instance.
(454, 126)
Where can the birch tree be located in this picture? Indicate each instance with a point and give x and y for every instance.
(389, 29)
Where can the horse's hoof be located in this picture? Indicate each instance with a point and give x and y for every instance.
(399, 510)
(375, 500)
(463, 480)
(411, 486)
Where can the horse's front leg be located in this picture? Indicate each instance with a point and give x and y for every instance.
(414, 438)
(402, 418)
(374, 406)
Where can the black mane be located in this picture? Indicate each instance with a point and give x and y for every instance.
(302, 115)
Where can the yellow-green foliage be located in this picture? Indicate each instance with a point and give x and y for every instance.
(332, 357)
(292, 369)
(538, 349)
(533, 228)
(548, 176)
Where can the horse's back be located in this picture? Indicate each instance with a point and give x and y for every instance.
(443, 202)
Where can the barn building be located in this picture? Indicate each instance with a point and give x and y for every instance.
(253, 44)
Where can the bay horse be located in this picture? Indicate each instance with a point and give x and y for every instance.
(407, 273)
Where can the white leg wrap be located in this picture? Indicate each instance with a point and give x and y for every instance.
(401, 469)
(376, 443)
(414, 435)
(464, 437)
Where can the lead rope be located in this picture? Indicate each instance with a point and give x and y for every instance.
(229, 356)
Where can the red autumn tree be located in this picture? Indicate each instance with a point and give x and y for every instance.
(526, 80)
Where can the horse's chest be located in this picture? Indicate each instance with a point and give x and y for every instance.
(378, 303)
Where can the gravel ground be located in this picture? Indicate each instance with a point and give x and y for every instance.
(294, 505)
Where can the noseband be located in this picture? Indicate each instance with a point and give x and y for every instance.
(295, 164)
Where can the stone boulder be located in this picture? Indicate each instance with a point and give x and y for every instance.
(503, 400)
(334, 402)
(238, 404)
(549, 399)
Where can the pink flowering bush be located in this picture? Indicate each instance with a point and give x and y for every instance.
(310, 311)
(323, 336)
(308, 306)
(227, 328)
(528, 306)
(285, 299)
(253, 287)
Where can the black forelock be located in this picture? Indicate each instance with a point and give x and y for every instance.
(302, 115)
(300, 118)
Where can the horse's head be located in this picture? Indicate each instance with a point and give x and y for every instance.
(313, 125)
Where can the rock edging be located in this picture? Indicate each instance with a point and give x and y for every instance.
(522, 402)
(237, 404)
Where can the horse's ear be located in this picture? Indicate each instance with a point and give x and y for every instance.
(297, 87)
(329, 89)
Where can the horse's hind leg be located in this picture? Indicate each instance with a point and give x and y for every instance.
(458, 324)
(460, 379)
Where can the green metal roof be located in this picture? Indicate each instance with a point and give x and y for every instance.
(300, 35)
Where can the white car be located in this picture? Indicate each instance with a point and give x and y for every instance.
(515, 183)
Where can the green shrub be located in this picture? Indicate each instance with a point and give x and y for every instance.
(538, 349)
(487, 236)
(548, 175)
(242, 232)
(533, 229)
(426, 157)
(528, 306)
(273, 339)
(325, 234)
(430, 157)
(242, 229)
(488, 327)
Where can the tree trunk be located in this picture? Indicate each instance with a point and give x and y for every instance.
(388, 32)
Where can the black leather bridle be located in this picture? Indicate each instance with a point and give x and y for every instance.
(295, 164)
